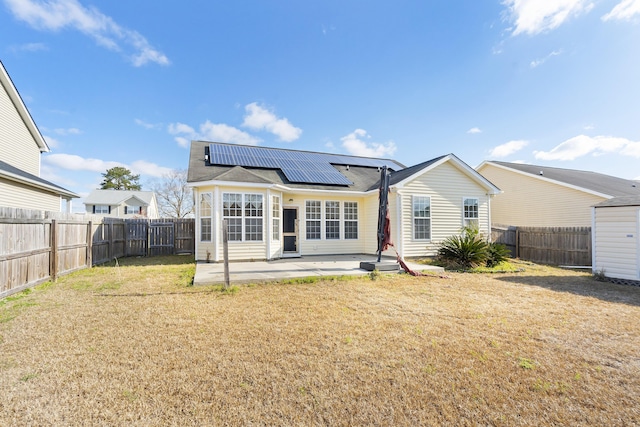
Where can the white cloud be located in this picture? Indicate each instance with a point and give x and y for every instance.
(220, 132)
(51, 141)
(537, 16)
(143, 167)
(147, 125)
(355, 145)
(69, 131)
(29, 47)
(624, 11)
(538, 62)
(474, 130)
(217, 132)
(583, 145)
(56, 15)
(508, 148)
(77, 163)
(261, 118)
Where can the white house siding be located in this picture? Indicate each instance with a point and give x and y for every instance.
(21, 196)
(447, 186)
(532, 202)
(616, 241)
(17, 146)
(332, 246)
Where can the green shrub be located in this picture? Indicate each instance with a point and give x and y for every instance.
(466, 251)
(471, 250)
(497, 253)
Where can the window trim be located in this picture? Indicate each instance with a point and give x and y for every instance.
(203, 217)
(351, 220)
(332, 220)
(276, 210)
(466, 220)
(414, 218)
(244, 217)
(308, 220)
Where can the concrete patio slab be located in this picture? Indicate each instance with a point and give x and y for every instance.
(291, 268)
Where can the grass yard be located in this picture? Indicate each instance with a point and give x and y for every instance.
(135, 344)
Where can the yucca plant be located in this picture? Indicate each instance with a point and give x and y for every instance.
(466, 251)
(496, 253)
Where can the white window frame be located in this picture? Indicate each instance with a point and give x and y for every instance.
(332, 219)
(102, 209)
(415, 219)
(275, 218)
(245, 224)
(467, 215)
(350, 217)
(206, 220)
(313, 218)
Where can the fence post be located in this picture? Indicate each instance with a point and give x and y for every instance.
(90, 244)
(53, 257)
(147, 225)
(110, 250)
(517, 242)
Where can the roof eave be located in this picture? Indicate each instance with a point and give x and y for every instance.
(13, 93)
(31, 183)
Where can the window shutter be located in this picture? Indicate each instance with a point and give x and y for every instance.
(94, 208)
(126, 209)
(109, 208)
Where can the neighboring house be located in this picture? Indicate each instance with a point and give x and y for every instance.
(288, 203)
(122, 204)
(541, 196)
(616, 239)
(21, 146)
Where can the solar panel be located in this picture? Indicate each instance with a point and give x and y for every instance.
(297, 166)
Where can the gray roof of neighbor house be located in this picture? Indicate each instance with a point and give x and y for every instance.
(11, 172)
(115, 197)
(608, 185)
(620, 201)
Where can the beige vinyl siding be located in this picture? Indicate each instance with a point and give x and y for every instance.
(447, 186)
(17, 146)
(529, 201)
(15, 195)
(332, 246)
(616, 241)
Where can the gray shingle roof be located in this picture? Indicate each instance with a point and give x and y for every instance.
(115, 197)
(593, 181)
(30, 179)
(620, 201)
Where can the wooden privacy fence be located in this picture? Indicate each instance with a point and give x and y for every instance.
(38, 246)
(546, 245)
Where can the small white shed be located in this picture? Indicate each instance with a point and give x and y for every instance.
(616, 239)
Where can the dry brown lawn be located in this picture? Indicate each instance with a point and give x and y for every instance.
(136, 345)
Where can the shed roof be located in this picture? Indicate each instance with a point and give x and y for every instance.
(620, 201)
(606, 185)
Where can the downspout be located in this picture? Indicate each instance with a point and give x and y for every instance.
(593, 240)
(489, 217)
(399, 227)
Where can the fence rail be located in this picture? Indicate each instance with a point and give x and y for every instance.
(37, 246)
(547, 245)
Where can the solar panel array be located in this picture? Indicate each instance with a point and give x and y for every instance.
(297, 166)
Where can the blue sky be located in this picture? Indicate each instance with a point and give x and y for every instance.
(110, 83)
